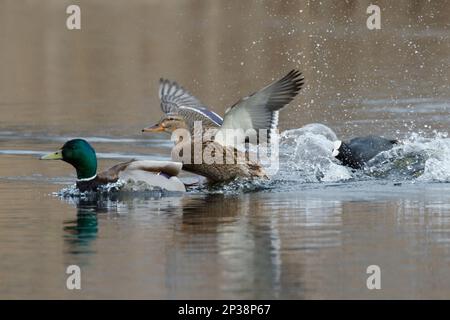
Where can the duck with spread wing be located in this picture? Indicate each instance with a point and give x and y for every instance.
(259, 111)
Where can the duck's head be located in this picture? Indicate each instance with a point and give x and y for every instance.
(168, 123)
(79, 154)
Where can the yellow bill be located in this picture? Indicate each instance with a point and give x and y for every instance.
(53, 156)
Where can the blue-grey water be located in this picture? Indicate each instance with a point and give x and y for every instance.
(309, 233)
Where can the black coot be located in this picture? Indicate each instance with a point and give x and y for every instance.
(358, 151)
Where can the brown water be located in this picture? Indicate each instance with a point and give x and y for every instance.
(301, 240)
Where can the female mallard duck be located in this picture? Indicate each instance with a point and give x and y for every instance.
(256, 112)
(175, 100)
(80, 154)
(218, 163)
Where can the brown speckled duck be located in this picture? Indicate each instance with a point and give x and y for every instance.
(257, 111)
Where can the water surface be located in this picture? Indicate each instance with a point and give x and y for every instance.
(310, 233)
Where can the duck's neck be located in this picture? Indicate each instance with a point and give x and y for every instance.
(86, 166)
(86, 170)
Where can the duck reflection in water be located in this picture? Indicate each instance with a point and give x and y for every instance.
(80, 232)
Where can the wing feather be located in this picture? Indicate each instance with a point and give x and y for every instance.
(168, 167)
(147, 171)
(177, 100)
(260, 110)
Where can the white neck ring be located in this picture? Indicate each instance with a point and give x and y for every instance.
(88, 179)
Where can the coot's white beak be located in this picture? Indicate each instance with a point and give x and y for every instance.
(336, 145)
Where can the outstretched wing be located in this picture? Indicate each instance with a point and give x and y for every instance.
(177, 100)
(260, 110)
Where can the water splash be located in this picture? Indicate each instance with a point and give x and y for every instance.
(306, 156)
(425, 159)
(73, 192)
(112, 189)
(236, 186)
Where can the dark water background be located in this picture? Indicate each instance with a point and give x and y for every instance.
(308, 240)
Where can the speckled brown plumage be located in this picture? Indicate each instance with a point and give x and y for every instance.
(219, 172)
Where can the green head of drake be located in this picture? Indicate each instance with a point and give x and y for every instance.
(79, 154)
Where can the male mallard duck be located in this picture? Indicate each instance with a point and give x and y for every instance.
(256, 111)
(358, 151)
(80, 154)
